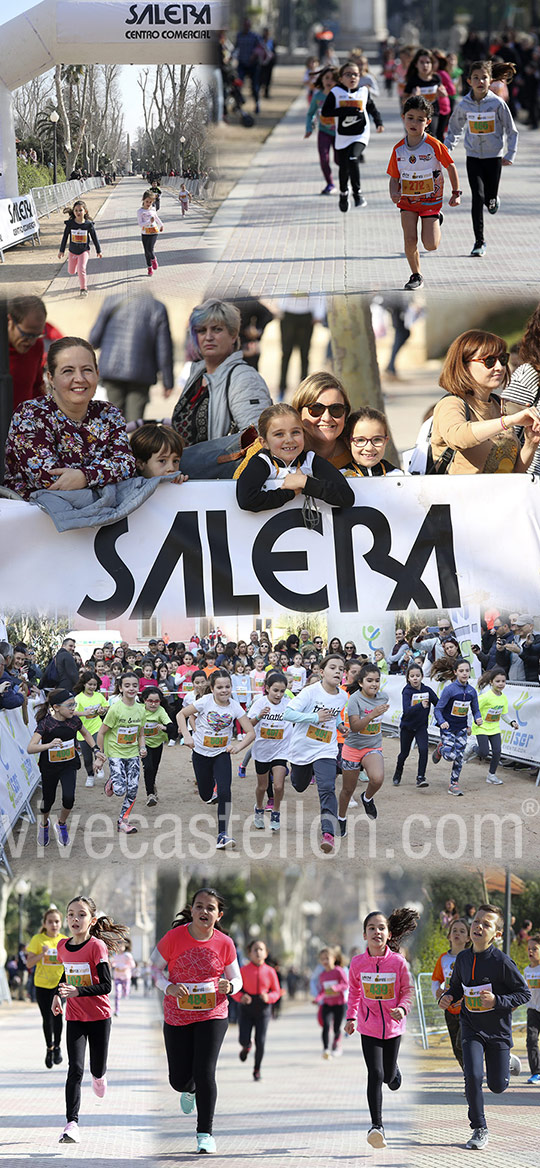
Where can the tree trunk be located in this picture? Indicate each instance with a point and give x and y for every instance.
(355, 355)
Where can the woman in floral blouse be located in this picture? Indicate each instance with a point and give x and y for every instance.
(65, 441)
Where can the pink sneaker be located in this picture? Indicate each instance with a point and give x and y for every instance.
(327, 842)
(126, 827)
(99, 1086)
(155, 264)
(150, 272)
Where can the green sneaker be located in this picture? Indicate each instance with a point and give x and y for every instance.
(205, 1142)
(187, 1102)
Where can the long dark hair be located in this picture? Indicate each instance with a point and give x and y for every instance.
(88, 675)
(489, 676)
(184, 917)
(104, 929)
(401, 922)
(55, 698)
(365, 670)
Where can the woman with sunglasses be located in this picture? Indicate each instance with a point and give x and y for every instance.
(470, 427)
(324, 407)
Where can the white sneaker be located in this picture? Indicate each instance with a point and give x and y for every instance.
(172, 742)
(90, 781)
(515, 1065)
(353, 802)
(493, 779)
(70, 1134)
(100, 774)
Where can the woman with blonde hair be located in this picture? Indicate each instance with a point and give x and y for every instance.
(323, 404)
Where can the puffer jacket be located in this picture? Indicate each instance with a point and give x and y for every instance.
(378, 985)
(237, 395)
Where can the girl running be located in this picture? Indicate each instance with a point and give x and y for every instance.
(271, 746)
(493, 706)
(260, 990)
(80, 230)
(380, 995)
(451, 715)
(351, 105)
(423, 81)
(202, 970)
(122, 734)
(367, 434)
(85, 986)
(123, 965)
(326, 133)
(54, 740)
(41, 956)
(458, 936)
(184, 198)
(212, 745)
(316, 711)
(531, 974)
(158, 728)
(363, 745)
(150, 225)
(296, 674)
(332, 996)
(90, 705)
(416, 698)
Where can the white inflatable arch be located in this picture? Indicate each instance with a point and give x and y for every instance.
(104, 32)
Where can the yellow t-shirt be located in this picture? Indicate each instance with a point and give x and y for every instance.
(47, 973)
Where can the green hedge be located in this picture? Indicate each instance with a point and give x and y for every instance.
(36, 176)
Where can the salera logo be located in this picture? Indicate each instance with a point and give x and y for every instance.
(169, 14)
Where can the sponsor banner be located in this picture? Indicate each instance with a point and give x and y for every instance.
(18, 220)
(19, 773)
(117, 22)
(188, 551)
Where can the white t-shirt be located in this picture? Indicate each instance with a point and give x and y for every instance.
(273, 734)
(319, 740)
(214, 724)
(297, 676)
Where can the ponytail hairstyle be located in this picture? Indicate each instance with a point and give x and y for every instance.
(401, 922)
(217, 673)
(51, 909)
(71, 210)
(119, 680)
(272, 676)
(357, 683)
(490, 675)
(55, 698)
(460, 921)
(338, 955)
(88, 675)
(332, 657)
(201, 673)
(184, 917)
(104, 928)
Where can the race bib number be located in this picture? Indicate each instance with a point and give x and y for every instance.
(50, 957)
(473, 1001)
(78, 236)
(418, 698)
(484, 124)
(150, 231)
(415, 183)
(429, 92)
(213, 740)
(319, 734)
(62, 753)
(331, 989)
(379, 987)
(533, 980)
(200, 996)
(459, 709)
(372, 727)
(492, 716)
(78, 973)
(127, 735)
(151, 730)
(188, 687)
(272, 731)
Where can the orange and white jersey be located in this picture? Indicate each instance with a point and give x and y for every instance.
(419, 170)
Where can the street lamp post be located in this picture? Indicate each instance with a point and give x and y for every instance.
(182, 140)
(54, 118)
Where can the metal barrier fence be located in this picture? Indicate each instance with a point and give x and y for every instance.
(431, 1017)
(56, 196)
(195, 186)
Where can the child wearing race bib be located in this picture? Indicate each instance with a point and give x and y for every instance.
(458, 936)
(260, 990)
(79, 230)
(351, 105)
(41, 956)
(257, 677)
(122, 735)
(332, 996)
(202, 970)
(363, 744)
(493, 705)
(417, 184)
(452, 715)
(85, 986)
(122, 964)
(316, 712)
(296, 674)
(184, 675)
(487, 122)
(158, 728)
(90, 705)
(416, 700)
(489, 986)
(380, 995)
(57, 726)
(212, 745)
(271, 746)
(423, 81)
(326, 133)
(150, 225)
(184, 198)
(241, 685)
(531, 974)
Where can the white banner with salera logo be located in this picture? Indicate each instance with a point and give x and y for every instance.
(407, 544)
(18, 220)
(117, 21)
(19, 772)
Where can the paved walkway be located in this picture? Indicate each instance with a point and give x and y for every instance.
(278, 236)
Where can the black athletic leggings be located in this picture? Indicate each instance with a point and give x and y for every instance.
(67, 777)
(381, 1055)
(533, 1031)
(348, 160)
(497, 1057)
(256, 1015)
(52, 1023)
(149, 244)
(484, 175)
(150, 766)
(406, 739)
(484, 742)
(192, 1054)
(96, 1034)
(210, 772)
(328, 1012)
(454, 1029)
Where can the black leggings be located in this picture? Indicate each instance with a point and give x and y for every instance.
(192, 1054)
(454, 1029)
(336, 1013)
(533, 1031)
(381, 1055)
(484, 176)
(257, 1015)
(67, 777)
(497, 1057)
(150, 767)
(349, 166)
(149, 244)
(406, 739)
(210, 772)
(77, 1035)
(52, 1023)
(484, 742)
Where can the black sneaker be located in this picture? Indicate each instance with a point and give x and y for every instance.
(493, 205)
(414, 282)
(244, 1053)
(479, 1139)
(359, 200)
(342, 827)
(437, 754)
(49, 1059)
(343, 201)
(396, 779)
(57, 1056)
(421, 781)
(395, 1084)
(369, 807)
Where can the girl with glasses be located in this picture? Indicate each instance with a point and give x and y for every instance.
(367, 432)
(158, 729)
(470, 428)
(351, 105)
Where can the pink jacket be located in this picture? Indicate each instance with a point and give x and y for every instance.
(378, 985)
(332, 980)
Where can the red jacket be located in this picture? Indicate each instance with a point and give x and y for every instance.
(27, 374)
(259, 979)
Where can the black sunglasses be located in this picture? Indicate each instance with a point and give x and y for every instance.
(336, 410)
(489, 362)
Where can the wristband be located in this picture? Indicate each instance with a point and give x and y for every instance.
(95, 750)
(457, 192)
(503, 424)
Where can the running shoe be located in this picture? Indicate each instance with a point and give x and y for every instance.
(171, 742)
(327, 842)
(155, 264)
(336, 1047)
(224, 841)
(70, 1134)
(187, 1102)
(479, 1139)
(241, 772)
(342, 827)
(269, 805)
(329, 189)
(479, 249)
(213, 799)
(369, 807)
(149, 271)
(413, 283)
(493, 779)
(353, 802)
(205, 1142)
(258, 817)
(125, 826)
(49, 1059)
(515, 1065)
(359, 200)
(57, 1056)
(437, 754)
(90, 781)
(395, 1083)
(454, 789)
(244, 1053)
(100, 774)
(375, 1137)
(256, 1074)
(535, 1079)
(493, 205)
(326, 1054)
(83, 292)
(396, 779)
(99, 1086)
(62, 833)
(343, 201)
(108, 788)
(151, 800)
(43, 834)
(275, 821)
(422, 781)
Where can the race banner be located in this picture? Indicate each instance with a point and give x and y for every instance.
(19, 772)
(118, 21)
(18, 220)
(408, 544)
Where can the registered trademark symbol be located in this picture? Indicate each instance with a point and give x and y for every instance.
(530, 807)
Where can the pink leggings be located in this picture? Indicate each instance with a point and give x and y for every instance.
(77, 263)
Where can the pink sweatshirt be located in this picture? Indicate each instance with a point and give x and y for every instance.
(378, 985)
(332, 986)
